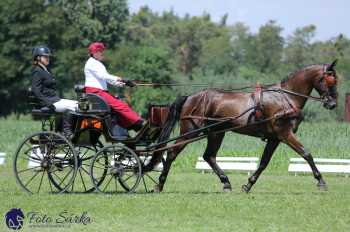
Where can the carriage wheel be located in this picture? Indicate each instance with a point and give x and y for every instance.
(123, 165)
(82, 182)
(151, 178)
(43, 157)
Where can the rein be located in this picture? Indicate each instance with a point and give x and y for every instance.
(217, 85)
(280, 90)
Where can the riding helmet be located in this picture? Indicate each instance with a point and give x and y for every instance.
(41, 50)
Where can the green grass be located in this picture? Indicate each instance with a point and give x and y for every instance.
(194, 202)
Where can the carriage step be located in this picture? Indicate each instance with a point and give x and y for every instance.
(246, 164)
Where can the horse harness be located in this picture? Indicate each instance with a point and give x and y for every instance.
(258, 98)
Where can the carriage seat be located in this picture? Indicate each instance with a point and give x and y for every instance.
(39, 111)
(46, 110)
(91, 103)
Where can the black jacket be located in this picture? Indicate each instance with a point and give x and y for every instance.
(44, 86)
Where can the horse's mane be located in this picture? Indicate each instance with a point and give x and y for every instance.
(294, 74)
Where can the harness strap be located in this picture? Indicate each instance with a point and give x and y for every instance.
(257, 97)
(280, 90)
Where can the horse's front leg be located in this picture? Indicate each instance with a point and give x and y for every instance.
(265, 159)
(171, 156)
(292, 142)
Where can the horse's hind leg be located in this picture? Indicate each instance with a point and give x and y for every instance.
(265, 159)
(214, 143)
(292, 142)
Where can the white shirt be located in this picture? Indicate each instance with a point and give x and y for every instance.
(96, 75)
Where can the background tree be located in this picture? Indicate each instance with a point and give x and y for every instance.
(153, 47)
(298, 49)
(24, 24)
(269, 47)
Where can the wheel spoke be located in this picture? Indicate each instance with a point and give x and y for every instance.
(34, 153)
(104, 189)
(84, 153)
(82, 180)
(66, 176)
(96, 167)
(28, 169)
(30, 160)
(128, 178)
(144, 183)
(103, 165)
(151, 178)
(50, 185)
(31, 179)
(41, 181)
(116, 184)
(84, 170)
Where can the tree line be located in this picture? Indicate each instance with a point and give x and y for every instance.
(152, 47)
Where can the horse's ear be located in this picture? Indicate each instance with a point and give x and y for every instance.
(332, 65)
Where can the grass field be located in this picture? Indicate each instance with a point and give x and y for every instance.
(194, 202)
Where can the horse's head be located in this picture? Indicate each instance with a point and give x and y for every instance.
(326, 85)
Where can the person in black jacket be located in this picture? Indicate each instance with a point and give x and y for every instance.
(44, 88)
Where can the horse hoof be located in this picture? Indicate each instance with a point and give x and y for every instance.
(322, 187)
(245, 188)
(227, 190)
(156, 189)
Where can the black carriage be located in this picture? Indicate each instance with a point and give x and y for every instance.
(96, 158)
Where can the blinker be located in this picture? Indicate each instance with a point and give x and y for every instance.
(330, 80)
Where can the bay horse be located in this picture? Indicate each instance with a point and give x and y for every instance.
(272, 113)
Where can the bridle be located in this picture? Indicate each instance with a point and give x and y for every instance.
(328, 79)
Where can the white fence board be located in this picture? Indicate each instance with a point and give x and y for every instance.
(2, 158)
(323, 165)
(230, 163)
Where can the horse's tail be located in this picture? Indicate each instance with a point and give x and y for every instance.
(173, 117)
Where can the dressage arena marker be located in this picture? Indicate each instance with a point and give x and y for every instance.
(230, 163)
(323, 165)
(2, 158)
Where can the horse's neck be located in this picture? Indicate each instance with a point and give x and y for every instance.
(302, 84)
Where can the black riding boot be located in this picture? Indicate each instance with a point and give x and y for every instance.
(67, 123)
(137, 125)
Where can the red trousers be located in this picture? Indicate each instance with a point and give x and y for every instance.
(126, 116)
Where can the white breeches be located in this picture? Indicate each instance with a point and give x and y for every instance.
(65, 104)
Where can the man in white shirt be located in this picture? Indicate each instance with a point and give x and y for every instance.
(96, 78)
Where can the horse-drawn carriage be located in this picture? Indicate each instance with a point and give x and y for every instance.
(272, 113)
(47, 162)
